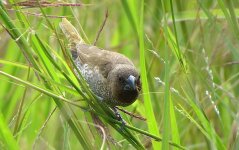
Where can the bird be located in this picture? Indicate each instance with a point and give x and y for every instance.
(110, 75)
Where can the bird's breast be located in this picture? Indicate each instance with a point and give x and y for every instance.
(95, 80)
(126, 98)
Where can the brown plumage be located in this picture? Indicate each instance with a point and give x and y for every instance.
(110, 75)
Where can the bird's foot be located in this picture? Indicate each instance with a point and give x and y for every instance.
(118, 116)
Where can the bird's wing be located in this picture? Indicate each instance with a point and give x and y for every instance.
(104, 60)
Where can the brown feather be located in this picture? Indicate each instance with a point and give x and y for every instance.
(103, 59)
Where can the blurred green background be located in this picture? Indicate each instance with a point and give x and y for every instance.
(186, 50)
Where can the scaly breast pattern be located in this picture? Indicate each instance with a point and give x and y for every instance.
(95, 80)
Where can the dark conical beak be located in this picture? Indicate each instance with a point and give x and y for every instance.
(131, 82)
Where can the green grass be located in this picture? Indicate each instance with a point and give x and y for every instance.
(186, 52)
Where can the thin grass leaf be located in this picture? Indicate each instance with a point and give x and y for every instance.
(174, 126)
(45, 91)
(130, 10)
(210, 132)
(151, 121)
(166, 114)
(231, 19)
(6, 135)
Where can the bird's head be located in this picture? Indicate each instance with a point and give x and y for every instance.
(125, 84)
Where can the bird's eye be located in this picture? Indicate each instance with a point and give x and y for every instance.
(126, 87)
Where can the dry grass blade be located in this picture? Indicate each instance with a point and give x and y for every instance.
(35, 3)
(101, 28)
(131, 114)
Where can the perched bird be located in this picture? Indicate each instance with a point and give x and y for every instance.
(110, 75)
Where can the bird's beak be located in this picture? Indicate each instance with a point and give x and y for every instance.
(131, 82)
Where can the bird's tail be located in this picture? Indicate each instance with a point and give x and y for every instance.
(71, 33)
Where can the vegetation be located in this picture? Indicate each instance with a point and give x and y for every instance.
(187, 53)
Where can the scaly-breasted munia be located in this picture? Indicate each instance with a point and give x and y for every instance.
(110, 75)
